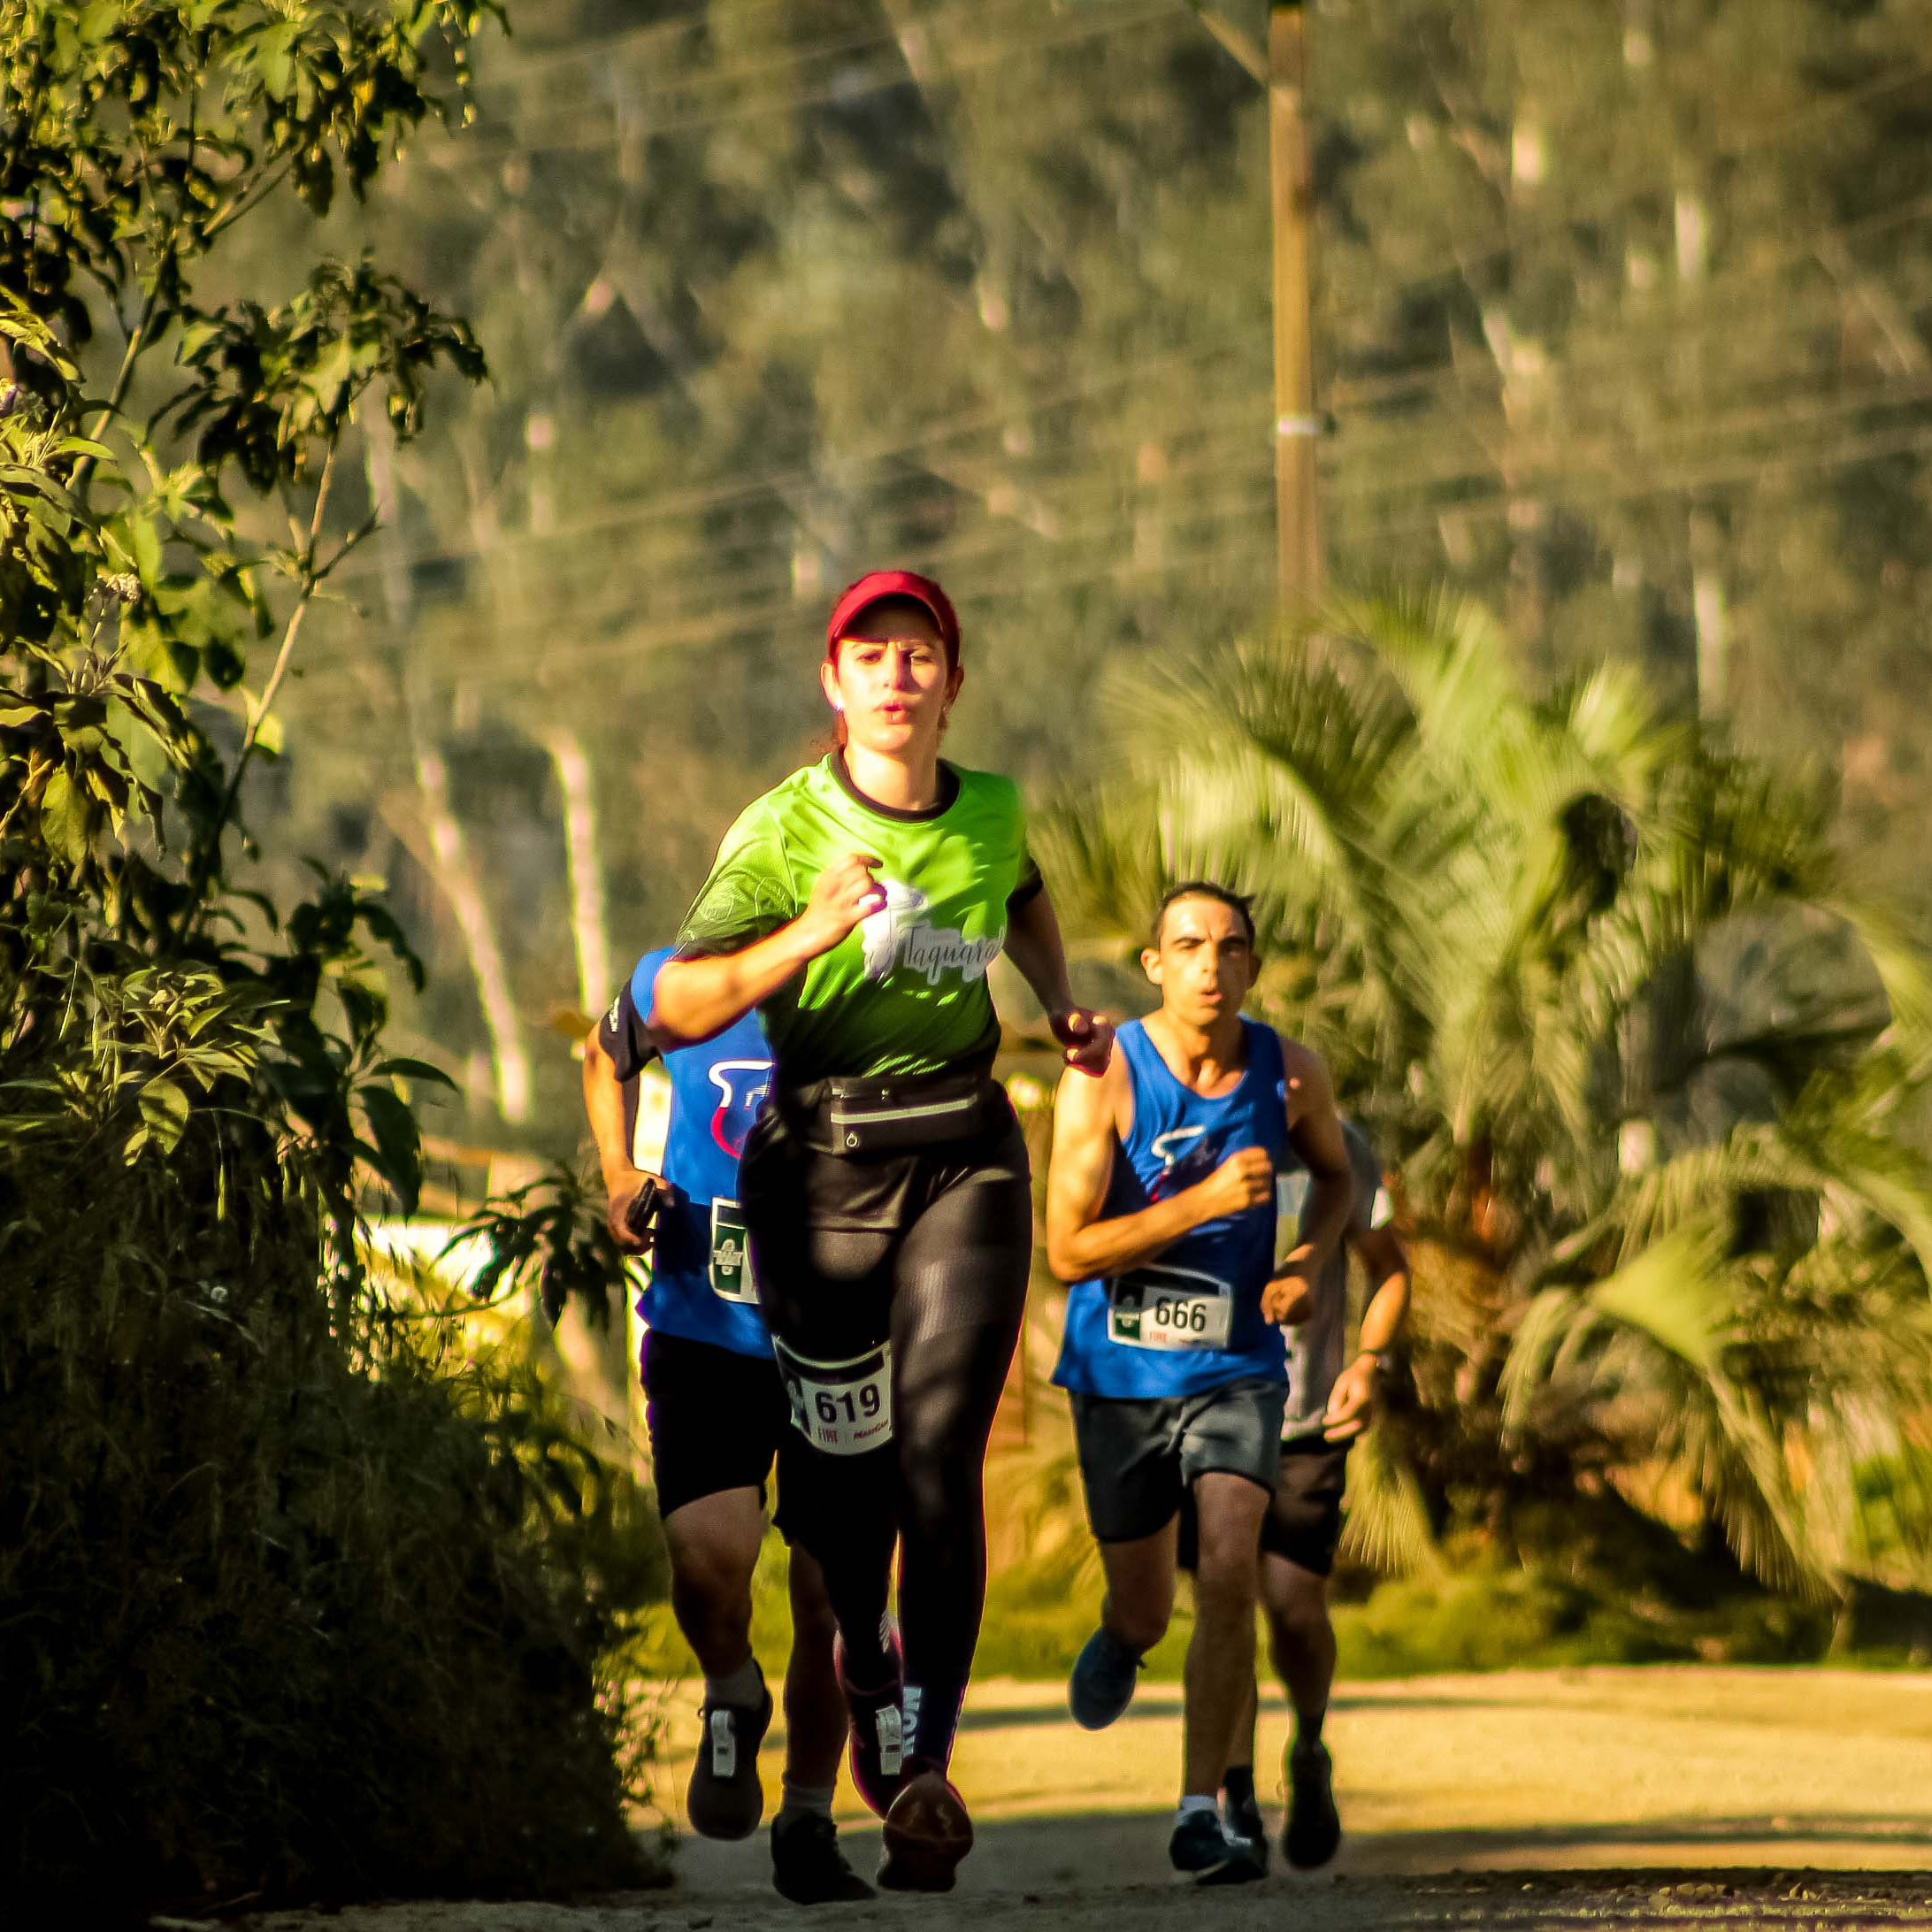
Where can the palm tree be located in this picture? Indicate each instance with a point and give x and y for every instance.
(1649, 1064)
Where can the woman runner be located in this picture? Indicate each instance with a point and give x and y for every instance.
(857, 905)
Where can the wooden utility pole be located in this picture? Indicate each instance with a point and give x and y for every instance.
(1297, 425)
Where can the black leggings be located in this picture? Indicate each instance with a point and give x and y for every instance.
(930, 1251)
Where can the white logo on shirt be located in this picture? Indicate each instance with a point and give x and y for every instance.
(895, 936)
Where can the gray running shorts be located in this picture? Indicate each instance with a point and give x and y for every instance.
(1141, 1456)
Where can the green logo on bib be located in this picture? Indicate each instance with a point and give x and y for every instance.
(731, 1268)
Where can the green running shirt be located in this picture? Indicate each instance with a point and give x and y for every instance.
(905, 992)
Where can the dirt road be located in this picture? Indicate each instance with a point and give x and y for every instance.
(1533, 1800)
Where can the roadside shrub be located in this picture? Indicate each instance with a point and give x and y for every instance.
(281, 1617)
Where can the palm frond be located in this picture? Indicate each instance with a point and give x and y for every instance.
(1388, 1527)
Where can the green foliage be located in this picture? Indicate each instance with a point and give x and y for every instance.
(550, 1235)
(1599, 984)
(293, 1599)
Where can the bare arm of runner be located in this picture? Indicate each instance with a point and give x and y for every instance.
(1351, 1402)
(1088, 1116)
(697, 999)
(1033, 945)
(1314, 1132)
(623, 1180)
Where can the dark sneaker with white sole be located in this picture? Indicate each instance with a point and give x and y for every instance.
(1201, 1848)
(726, 1799)
(1102, 1685)
(878, 1733)
(1313, 1830)
(1241, 1818)
(806, 1865)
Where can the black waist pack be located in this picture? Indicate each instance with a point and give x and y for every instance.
(894, 1117)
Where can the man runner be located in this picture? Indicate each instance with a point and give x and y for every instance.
(718, 1417)
(1330, 1401)
(1160, 1213)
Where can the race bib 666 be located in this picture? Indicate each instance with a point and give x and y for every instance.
(1155, 1307)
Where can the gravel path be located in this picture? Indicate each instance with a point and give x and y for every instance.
(1661, 1797)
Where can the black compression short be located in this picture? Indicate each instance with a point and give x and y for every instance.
(717, 1420)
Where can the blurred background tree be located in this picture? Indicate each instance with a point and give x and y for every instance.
(1618, 315)
(1648, 1068)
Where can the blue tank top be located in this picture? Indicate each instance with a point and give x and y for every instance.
(700, 1287)
(1190, 1320)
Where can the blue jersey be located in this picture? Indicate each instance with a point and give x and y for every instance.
(1191, 1320)
(701, 1285)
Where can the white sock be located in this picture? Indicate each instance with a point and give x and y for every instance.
(741, 1687)
(1192, 1804)
(797, 1800)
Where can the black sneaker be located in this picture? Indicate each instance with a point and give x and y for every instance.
(1241, 1818)
(1102, 1685)
(1200, 1847)
(1314, 1826)
(806, 1865)
(877, 1730)
(726, 1799)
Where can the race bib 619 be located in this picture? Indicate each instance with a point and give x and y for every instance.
(843, 1408)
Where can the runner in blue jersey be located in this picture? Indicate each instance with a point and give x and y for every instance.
(719, 1418)
(1160, 1213)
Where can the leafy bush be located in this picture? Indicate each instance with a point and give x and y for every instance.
(295, 1604)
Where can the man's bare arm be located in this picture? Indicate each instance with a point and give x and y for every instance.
(1314, 1132)
(1388, 1267)
(623, 1179)
(1351, 1402)
(1087, 1135)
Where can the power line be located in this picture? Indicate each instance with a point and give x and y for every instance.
(780, 100)
(1538, 479)
(544, 60)
(698, 627)
(1434, 380)
(1458, 261)
(1847, 453)
(982, 419)
(795, 56)
(758, 620)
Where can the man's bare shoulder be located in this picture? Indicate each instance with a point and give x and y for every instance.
(1304, 1073)
(1094, 1101)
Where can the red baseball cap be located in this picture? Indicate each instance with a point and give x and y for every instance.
(876, 586)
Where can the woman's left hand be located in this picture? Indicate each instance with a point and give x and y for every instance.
(1088, 1037)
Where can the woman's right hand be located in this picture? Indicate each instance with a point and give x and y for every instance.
(842, 895)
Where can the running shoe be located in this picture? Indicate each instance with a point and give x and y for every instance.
(726, 1799)
(879, 1734)
(927, 1834)
(1314, 1826)
(806, 1865)
(1102, 1685)
(1241, 1818)
(1202, 1848)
